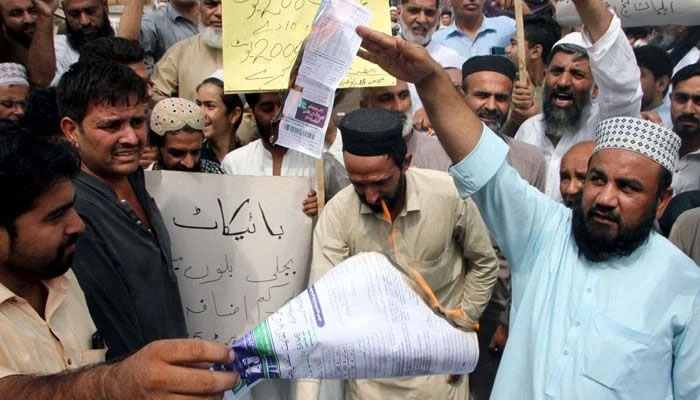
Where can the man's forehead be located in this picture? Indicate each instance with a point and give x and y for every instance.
(398, 88)
(421, 4)
(491, 80)
(690, 86)
(80, 4)
(12, 91)
(564, 59)
(7, 5)
(119, 108)
(621, 163)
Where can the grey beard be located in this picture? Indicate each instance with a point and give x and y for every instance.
(557, 121)
(211, 37)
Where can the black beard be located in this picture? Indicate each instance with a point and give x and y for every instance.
(558, 120)
(595, 247)
(683, 132)
(19, 37)
(50, 269)
(389, 201)
(77, 39)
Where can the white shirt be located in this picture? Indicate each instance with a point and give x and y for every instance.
(65, 57)
(444, 56)
(254, 159)
(686, 176)
(620, 94)
(664, 111)
(691, 57)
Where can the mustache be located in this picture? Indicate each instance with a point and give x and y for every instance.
(604, 213)
(688, 118)
(71, 240)
(486, 113)
(562, 90)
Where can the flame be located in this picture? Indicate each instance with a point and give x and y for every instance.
(457, 315)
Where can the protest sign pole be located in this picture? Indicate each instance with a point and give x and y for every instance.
(520, 36)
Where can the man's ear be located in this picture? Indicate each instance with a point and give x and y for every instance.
(662, 83)
(71, 130)
(535, 52)
(236, 114)
(664, 199)
(595, 91)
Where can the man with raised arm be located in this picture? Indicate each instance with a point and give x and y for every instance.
(603, 308)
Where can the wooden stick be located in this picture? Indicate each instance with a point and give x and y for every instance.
(320, 185)
(520, 37)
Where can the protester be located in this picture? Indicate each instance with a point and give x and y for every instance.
(159, 30)
(541, 33)
(574, 331)
(223, 114)
(685, 115)
(677, 206)
(119, 50)
(86, 20)
(437, 233)
(395, 27)
(26, 33)
(572, 172)
(419, 21)
(582, 68)
(474, 34)
(656, 68)
(123, 260)
(487, 84)
(445, 18)
(48, 344)
(426, 151)
(176, 131)
(685, 234)
(14, 89)
(185, 65)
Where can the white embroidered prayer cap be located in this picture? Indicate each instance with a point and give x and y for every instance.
(575, 38)
(13, 74)
(654, 141)
(173, 114)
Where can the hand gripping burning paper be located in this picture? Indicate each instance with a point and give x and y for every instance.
(362, 319)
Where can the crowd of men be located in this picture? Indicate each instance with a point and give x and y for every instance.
(559, 206)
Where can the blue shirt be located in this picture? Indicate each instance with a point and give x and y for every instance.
(160, 30)
(628, 328)
(494, 32)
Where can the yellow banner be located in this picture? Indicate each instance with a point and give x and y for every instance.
(262, 39)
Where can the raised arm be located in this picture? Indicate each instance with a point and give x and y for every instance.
(41, 66)
(595, 17)
(162, 369)
(459, 129)
(130, 21)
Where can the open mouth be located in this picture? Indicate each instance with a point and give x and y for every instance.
(563, 100)
(126, 153)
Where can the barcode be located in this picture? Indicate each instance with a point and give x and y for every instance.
(298, 131)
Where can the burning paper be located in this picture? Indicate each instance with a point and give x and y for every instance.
(360, 320)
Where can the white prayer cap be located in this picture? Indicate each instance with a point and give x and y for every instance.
(218, 74)
(654, 141)
(393, 8)
(173, 114)
(13, 74)
(575, 38)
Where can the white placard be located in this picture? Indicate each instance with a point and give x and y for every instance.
(240, 246)
(639, 12)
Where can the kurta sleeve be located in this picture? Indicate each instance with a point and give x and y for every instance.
(330, 244)
(110, 305)
(165, 75)
(615, 72)
(480, 262)
(686, 358)
(517, 214)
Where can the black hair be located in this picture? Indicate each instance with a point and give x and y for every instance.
(665, 178)
(112, 48)
(637, 32)
(252, 99)
(446, 11)
(686, 73)
(686, 44)
(542, 29)
(231, 101)
(398, 153)
(41, 113)
(29, 167)
(656, 60)
(91, 83)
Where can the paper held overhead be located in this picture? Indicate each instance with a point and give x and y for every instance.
(360, 320)
(639, 12)
(262, 38)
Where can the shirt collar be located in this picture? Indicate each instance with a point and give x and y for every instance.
(486, 25)
(172, 13)
(60, 285)
(412, 203)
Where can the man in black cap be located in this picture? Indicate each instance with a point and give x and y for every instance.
(436, 232)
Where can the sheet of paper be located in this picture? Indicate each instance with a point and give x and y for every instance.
(639, 12)
(263, 37)
(240, 250)
(360, 320)
(330, 48)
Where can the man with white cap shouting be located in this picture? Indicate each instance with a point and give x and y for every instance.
(603, 307)
(598, 64)
(14, 89)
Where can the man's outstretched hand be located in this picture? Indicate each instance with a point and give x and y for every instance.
(406, 61)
